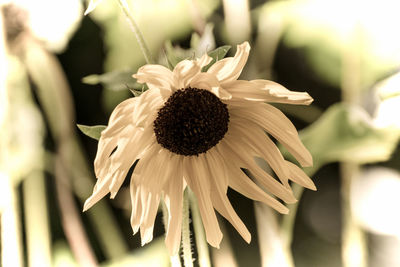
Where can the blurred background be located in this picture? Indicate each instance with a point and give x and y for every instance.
(59, 68)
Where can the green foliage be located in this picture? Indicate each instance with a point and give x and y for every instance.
(346, 133)
(92, 131)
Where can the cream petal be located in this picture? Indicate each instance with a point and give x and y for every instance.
(196, 175)
(219, 186)
(173, 200)
(242, 184)
(156, 76)
(262, 177)
(137, 210)
(279, 126)
(209, 82)
(184, 71)
(298, 176)
(263, 146)
(266, 91)
(204, 60)
(229, 69)
(149, 216)
(99, 191)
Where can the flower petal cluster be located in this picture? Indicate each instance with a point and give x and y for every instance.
(163, 175)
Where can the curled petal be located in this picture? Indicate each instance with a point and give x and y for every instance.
(266, 91)
(156, 77)
(229, 69)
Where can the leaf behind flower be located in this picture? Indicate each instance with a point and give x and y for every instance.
(92, 131)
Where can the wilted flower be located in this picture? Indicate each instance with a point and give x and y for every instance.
(198, 129)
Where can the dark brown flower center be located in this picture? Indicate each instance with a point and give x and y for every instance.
(191, 122)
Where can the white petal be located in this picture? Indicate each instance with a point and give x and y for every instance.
(262, 177)
(263, 146)
(219, 185)
(266, 91)
(209, 82)
(173, 200)
(298, 176)
(278, 125)
(204, 60)
(156, 77)
(229, 69)
(137, 210)
(197, 175)
(184, 71)
(150, 207)
(244, 185)
(99, 191)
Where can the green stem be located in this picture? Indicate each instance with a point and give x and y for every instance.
(138, 34)
(201, 242)
(186, 244)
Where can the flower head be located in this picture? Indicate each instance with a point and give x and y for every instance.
(198, 129)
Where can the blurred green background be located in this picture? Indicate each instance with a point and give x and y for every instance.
(345, 54)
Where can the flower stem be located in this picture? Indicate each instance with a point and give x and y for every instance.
(201, 242)
(138, 34)
(186, 245)
(354, 248)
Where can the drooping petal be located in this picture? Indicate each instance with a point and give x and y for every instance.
(173, 200)
(196, 175)
(266, 91)
(99, 191)
(266, 180)
(219, 185)
(229, 69)
(263, 146)
(150, 206)
(298, 176)
(137, 210)
(279, 126)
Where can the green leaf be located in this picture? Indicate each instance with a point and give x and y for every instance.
(346, 133)
(115, 80)
(217, 54)
(92, 131)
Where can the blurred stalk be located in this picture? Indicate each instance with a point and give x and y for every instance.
(135, 29)
(289, 220)
(224, 255)
(237, 20)
(11, 240)
(174, 260)
(198, 21)
(354, 249)
(36, 220)
(201, 242)
(71, 221)
(54, 96)
(270, 29)
(10, 228)
(273, 253)
(186, 242)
